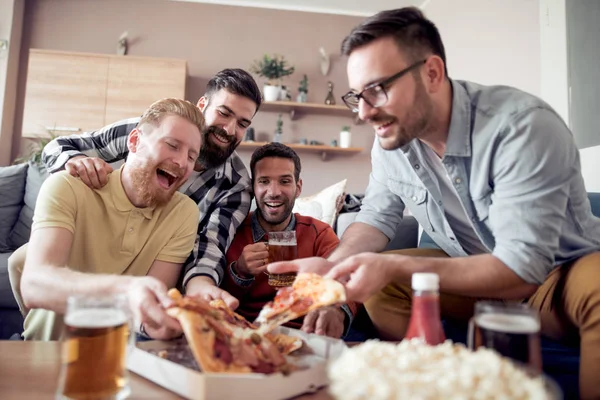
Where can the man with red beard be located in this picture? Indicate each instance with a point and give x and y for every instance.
(219, 184)
(276, 182)
(129, 237)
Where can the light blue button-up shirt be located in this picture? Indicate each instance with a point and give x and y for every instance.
(516, 169)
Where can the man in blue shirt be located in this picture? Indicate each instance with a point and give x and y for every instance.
(491, 173)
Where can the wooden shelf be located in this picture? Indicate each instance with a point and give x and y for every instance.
(313, 108)
(323, 150)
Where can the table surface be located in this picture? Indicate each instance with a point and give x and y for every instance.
(29, 370)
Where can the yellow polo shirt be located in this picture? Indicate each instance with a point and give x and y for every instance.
(110, 235)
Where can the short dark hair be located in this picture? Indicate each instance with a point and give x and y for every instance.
(236, 81)
(412, 32)
(276, 150)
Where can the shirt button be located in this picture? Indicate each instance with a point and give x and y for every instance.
(458, 180)
(417, 166)
(440, 202)
(453, 239)
(130, 229)
(414, 198)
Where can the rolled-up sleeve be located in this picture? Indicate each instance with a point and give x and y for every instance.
(380, 208)
(534, 158)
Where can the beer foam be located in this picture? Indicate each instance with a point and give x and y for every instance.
(287, 242)
(95, 318)
(508, 323)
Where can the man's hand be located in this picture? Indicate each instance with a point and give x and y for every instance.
(328, 321)
(205, 288)
(363, 275)
(253, 260)
(316, 265)
(148, 300)
(93, 171)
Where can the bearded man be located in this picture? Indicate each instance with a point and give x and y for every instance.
(131, 236)
(276, 185)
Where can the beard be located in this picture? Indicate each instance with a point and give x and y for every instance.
(274, 219)
(211, 154)
(416, 121)
(143, 178)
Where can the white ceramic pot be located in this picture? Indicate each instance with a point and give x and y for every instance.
(271, 93)
(345, 139)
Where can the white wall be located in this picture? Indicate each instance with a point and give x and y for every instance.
(590, 167)
(554, 65)
(11, 21)
(491, 41)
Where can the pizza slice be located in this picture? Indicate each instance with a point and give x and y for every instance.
(231, 316)
(308, 292)
(285, 343)
(222, 347)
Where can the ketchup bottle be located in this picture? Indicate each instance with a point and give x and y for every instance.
(425, 322)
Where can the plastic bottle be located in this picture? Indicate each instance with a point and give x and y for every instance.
(425, 321)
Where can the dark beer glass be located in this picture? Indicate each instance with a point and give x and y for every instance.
(282, 247)
(96, 341)
(511, 329)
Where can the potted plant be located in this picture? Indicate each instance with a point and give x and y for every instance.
(277, 138)
(273, 68)
(345, 137)
(303, 90)
(33, 154)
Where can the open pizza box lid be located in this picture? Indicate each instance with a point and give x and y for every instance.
(178, 373)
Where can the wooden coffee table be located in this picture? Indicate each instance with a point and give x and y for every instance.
(29, 370)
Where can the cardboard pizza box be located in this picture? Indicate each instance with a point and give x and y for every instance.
(172, 366)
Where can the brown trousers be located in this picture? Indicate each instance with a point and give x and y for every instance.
(568, 303)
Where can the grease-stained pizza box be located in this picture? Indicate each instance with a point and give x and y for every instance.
(172, 366)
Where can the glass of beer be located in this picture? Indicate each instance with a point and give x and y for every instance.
(96, 341)
(282, 247)
(512, 329)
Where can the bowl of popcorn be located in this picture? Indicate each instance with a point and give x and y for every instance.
(410, 369)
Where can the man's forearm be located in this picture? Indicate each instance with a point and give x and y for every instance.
(359, 238)
(49, 287)
(475, 276)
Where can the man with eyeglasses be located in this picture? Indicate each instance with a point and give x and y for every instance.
(491, 173)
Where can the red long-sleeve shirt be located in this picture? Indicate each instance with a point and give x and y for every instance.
(314, 238)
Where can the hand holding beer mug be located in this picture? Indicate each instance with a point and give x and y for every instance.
(282, 247)
(512, 329)
(96, 341)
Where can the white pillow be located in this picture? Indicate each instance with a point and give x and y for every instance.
(323, 205)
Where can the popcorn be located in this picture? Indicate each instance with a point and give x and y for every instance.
(413, 370)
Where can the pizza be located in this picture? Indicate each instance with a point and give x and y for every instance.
(221, 345)
(285, 343)
(308, 292)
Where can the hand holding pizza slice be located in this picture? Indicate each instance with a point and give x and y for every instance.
(222, 346)
(308, 292)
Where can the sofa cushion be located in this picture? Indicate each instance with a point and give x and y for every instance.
(12, 184)
(324, 205)
(20, 233)
(595, 203)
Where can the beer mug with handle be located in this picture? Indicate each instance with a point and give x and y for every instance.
(282, 247)
(512, 329)
(97, 339)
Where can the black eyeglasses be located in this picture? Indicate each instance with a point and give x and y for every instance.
(375, 94)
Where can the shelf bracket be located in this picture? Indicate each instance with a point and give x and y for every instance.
(292, 113)
(324, 156)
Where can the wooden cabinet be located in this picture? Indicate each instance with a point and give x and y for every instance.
(64, 91)
(135, 83)
(77, 92)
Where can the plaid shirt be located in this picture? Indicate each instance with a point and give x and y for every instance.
(222, 193)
